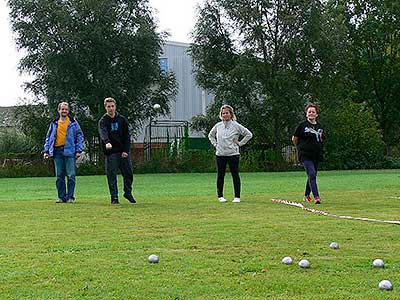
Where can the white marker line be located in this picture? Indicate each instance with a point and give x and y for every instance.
(321, 212)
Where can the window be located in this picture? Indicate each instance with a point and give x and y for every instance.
(164, 66)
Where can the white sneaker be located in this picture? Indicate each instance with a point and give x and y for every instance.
(221, 199)
(236, 200)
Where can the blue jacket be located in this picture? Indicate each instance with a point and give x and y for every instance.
(73, 141)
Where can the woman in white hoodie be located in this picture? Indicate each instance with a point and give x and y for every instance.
(224, 136)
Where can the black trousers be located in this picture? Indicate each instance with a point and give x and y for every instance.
(114, 162)
(233, 162)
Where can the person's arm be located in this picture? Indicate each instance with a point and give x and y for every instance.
(212, 136)
(79, 138)
(103, 131)
(247, 135)
(295, 140)
(46, 146)
(297, 134)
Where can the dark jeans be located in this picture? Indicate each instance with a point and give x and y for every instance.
(233, 162)
(114, 162)
(311, 168)
(65, 166)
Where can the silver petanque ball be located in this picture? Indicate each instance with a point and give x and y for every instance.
(153, 259)
(287, 260)
(378, 263)
(385, 285)
(157, 107)
(334, 245)
(304, 263)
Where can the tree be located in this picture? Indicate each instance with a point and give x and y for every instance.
(374, 33)
(84, 51)
(261, 56)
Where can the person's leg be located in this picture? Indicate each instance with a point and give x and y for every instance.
(59, 164)
(316, 193)
(311, 170)
(112, 162)
(221, 169)
(70, 167)
(307, 191)
(233, 162)
(127, 173)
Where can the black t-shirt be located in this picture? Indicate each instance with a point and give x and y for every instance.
(310, 141)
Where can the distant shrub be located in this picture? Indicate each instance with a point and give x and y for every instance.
(13, 141)
(353, 139)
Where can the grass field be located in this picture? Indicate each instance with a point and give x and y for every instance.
(207, 250)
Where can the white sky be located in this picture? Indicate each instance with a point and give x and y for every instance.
(175, 16)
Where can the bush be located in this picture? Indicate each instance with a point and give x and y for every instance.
(13, 141)
(25, 165)
(353, 139)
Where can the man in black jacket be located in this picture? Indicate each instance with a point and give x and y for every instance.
(114, 133)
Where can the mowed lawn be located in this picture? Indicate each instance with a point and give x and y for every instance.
(207, 250)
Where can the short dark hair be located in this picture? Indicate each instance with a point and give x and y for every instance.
(109, 99)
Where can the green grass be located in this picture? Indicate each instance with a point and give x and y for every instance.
(207, 250)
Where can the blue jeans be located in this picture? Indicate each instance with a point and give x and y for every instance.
(65, 166)
(311, 168)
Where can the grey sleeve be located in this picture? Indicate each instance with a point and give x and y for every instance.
(212, 136)
(247, 135)
(103, 131)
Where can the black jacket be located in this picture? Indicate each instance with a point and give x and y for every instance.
(115, 131)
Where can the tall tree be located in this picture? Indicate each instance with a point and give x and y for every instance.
(83, 51)
(259, 55)
(374, 28)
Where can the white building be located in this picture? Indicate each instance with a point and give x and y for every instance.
(190, 100)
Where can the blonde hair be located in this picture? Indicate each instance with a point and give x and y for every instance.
(62, 104)
(230, 108)
(109, 99)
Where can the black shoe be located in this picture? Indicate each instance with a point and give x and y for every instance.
(60, 201)
(114, 201)
(130, 198)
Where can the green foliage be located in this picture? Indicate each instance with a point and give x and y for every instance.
(374, 34)
(204, 123)
(174, 161)
(267, 58)
(91, 250)
(24, 165)
(260, 57)
(353, 138)
(33, 121)
(84, 51)
(13, 141)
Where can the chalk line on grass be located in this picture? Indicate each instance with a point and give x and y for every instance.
(324, 213)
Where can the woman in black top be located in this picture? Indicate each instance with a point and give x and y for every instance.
(308, 138)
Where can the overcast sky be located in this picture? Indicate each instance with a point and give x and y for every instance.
(174, 16)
